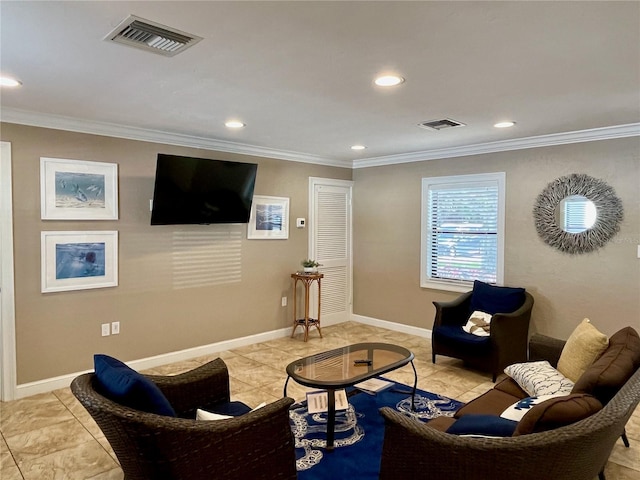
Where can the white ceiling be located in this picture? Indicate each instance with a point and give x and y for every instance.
(300, 74)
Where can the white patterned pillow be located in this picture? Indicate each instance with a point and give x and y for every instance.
(539, 378)
(204, 415)
(479, 324)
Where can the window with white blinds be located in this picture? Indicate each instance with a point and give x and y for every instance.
(462, 230)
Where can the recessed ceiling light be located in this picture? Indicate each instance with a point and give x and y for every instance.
(234, 124)
(504, 124)
(388, 80)
(9, 82)
(358, 147)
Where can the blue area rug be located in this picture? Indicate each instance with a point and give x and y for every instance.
(359, 432)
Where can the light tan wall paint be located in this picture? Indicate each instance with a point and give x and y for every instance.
(58, 333)
(603, 285)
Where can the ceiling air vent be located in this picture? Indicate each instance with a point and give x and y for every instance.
(153, 37)
(440, 124)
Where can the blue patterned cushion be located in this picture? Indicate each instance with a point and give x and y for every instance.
(127, 387)
(483, 425)
(493, 299)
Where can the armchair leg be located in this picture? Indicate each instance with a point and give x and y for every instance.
(433, 358)
(625, 440)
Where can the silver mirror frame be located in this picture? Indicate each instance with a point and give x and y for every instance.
(608, 208)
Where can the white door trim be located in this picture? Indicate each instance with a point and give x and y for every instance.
(7, 297)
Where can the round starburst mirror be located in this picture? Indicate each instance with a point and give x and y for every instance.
(577, 213)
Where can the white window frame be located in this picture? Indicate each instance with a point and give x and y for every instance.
(456, 181)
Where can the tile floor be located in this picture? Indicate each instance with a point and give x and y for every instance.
(51, 436)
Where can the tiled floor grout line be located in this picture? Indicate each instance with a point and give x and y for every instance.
(85, 427)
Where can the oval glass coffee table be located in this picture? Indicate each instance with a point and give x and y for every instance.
(346, 366)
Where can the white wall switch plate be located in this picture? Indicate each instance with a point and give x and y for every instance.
(300, 222)
(106, 329)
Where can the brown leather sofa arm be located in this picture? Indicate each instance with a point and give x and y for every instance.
(542, 347)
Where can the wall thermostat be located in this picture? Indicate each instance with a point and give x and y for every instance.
(300, 222)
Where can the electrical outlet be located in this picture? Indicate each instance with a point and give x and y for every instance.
(284, 301)
(106, 331)
(115, 328)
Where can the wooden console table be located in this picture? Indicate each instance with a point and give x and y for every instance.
(307, 280)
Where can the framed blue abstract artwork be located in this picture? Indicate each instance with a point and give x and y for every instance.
(79, 260)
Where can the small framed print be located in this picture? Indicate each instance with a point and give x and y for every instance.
(269, 219)
(79, 260)
(78, 190)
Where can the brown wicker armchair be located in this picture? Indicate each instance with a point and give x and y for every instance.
(578, 451)
(257, 445)
(506, 345)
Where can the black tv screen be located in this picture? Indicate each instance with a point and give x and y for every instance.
(201, 191)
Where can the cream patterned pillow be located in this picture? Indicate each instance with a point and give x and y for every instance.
(539, 378)
(478, 324)
(583, 347)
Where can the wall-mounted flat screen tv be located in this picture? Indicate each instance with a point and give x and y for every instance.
(201, 191)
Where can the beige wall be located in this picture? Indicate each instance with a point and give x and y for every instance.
(58, 333)
(603, 285)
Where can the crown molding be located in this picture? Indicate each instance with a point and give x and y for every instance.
(59, 122)
(591, 135)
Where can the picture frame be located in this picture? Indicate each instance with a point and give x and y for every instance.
(269, 218)
(78, 260)
(78, 190)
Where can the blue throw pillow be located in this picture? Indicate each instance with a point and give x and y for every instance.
(124, 385)
(492, 299)
(485, 425)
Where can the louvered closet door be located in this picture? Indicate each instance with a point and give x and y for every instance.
(331, 246)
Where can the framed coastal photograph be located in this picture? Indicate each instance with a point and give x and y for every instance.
(78, 190)
(79, 260)
(269, 218)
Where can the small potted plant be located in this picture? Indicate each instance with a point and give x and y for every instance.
(310, 266)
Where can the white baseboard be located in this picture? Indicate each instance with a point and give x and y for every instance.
(54, 383)
(50, 384)
(398, 327)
